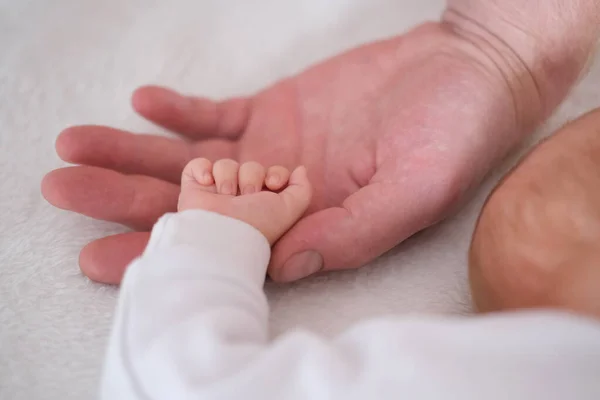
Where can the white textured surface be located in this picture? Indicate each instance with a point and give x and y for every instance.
(65, 62)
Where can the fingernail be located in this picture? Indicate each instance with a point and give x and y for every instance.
(301, 265)
(207, 178)
(227, 188)
(273, 180)
(248, 189)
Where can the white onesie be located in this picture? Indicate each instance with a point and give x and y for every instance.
(192, 323)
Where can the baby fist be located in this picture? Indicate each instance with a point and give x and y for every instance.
(271, 200)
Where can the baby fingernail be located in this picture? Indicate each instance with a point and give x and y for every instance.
(273, 180)
(207, 178)
(227, 188)
(249, 189)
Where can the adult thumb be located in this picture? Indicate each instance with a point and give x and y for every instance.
(369, 223)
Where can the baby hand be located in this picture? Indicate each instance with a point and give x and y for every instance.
(270, 200)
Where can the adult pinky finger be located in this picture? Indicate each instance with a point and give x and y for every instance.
(105, 260)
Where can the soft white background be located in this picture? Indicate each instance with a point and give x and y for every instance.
(65, 62)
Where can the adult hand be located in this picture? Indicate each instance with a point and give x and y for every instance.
(393, 134)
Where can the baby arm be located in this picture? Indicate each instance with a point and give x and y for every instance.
(192, 320)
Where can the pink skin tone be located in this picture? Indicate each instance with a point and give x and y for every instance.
(236, 191)
(393, 135)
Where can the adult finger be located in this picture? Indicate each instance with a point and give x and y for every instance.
(370, 222)
(195, 117)
(105, 260)
(129, 153)
(132, 200)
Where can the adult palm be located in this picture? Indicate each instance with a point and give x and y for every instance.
(392, 134)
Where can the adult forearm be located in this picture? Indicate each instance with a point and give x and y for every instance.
(541, 47)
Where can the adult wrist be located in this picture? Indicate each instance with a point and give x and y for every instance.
(540, 49)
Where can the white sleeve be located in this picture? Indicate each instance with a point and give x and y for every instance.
(192, 323)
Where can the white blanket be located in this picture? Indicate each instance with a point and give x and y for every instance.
(65, 62)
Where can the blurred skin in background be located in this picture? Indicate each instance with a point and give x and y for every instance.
(537, 243)
(395, 134)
